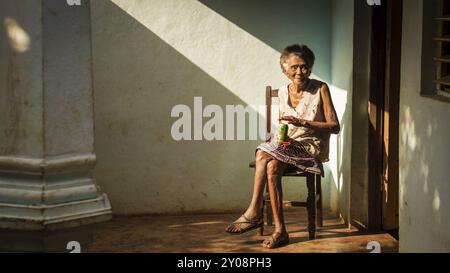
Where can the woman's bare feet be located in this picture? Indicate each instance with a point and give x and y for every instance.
(277, 239)
(244, 224)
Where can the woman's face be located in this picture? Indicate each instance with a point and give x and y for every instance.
(297, 70)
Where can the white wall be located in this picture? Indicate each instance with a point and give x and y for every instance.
(341, 91)
(149, 56)
(424, 151)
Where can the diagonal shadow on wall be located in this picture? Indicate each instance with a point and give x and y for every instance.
(138, 78)
(280, 23)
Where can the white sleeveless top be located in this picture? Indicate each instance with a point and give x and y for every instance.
(309, 108)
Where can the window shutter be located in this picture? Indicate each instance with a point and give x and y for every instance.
(442, 58)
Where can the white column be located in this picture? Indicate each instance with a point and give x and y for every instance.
(47, 152)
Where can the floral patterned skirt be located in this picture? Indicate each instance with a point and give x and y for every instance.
(294, 154)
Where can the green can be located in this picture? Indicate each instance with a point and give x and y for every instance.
(283, 132)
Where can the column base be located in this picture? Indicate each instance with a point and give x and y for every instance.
(51, 217)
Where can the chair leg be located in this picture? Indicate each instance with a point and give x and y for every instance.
(311, 205)
(319, 201)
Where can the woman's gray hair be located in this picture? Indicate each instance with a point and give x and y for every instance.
(301, 51)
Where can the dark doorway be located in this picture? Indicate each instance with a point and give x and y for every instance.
(378, 55)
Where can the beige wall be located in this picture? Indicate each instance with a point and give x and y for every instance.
(424, 152)
(149, 56)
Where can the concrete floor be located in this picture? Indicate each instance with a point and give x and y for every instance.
(205, 233)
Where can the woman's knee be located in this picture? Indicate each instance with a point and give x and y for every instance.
(261, 155)
(273, 168)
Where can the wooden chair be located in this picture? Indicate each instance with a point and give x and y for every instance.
(313, 202)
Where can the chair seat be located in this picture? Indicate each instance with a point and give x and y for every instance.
(252, 164)
(290, 170)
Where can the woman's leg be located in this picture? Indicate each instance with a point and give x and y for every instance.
(254, 209)
(275, 170)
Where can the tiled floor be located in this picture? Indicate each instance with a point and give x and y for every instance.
(205, 233)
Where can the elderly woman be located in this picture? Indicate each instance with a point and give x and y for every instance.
(306, 106)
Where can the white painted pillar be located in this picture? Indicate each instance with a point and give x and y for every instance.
(47, 152)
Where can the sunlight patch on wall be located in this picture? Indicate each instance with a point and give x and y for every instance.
(339, 97)
(408, 131)
(18, 38)
(436, 200)
(407, 143)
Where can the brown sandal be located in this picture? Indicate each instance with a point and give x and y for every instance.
(253, 224)
(276, 241)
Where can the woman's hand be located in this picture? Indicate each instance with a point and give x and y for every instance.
(287, 142)
(295, 121)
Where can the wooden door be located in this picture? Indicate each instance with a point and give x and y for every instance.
(391, 116)
(383, 116)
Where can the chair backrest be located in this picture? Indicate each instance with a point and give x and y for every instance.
(270, 93)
